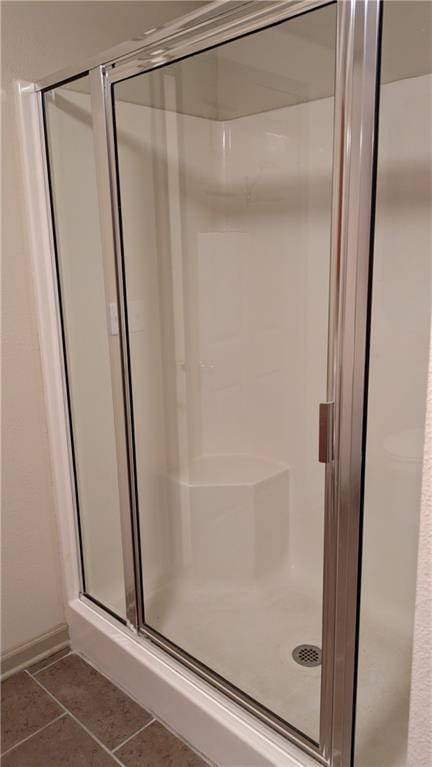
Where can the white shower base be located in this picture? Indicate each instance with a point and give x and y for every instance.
(248, 639)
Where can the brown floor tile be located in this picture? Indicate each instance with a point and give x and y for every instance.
(63, 743)
(25, 708)
(46, 661)
(157, 747)
(104, 709)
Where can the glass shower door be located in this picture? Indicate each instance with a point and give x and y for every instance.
(86, 286)
(225, 175)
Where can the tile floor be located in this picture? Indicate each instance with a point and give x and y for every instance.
(62, 712)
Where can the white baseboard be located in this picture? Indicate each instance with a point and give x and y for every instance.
(35, 650)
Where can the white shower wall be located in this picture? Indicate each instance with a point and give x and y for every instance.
(276, 194)
(401, 316)
(252, 246)
(154, 237)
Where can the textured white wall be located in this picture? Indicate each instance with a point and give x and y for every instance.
(401, 312)
(38, 38)
(420, 729)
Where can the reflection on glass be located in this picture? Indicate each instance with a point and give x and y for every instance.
(87, 291)
(401, 315)
(225, 179)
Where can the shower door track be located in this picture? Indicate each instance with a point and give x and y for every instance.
(354, 169)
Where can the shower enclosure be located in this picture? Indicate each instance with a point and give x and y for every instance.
(235, 399)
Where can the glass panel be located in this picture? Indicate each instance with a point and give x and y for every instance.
(401, 316)
(87, 295)
(225, 175)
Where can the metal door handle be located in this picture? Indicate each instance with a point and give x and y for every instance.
(325, 439)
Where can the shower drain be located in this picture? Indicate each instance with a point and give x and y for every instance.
(307, 655)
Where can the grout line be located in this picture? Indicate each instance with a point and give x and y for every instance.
(66, 710)
(126, 740)
(48, 665)
(41, 729)
(156, 718)
(153, 719)
(112, 681)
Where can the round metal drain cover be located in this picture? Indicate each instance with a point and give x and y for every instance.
(307, 655)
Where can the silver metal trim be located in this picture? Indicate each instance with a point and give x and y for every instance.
(105, 159)
(325, 437)
(353, 179)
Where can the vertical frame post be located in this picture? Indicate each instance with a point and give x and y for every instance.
(354, 170)
(109, 215)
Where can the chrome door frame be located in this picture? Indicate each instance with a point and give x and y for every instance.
(354, 168)
(353, 208)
